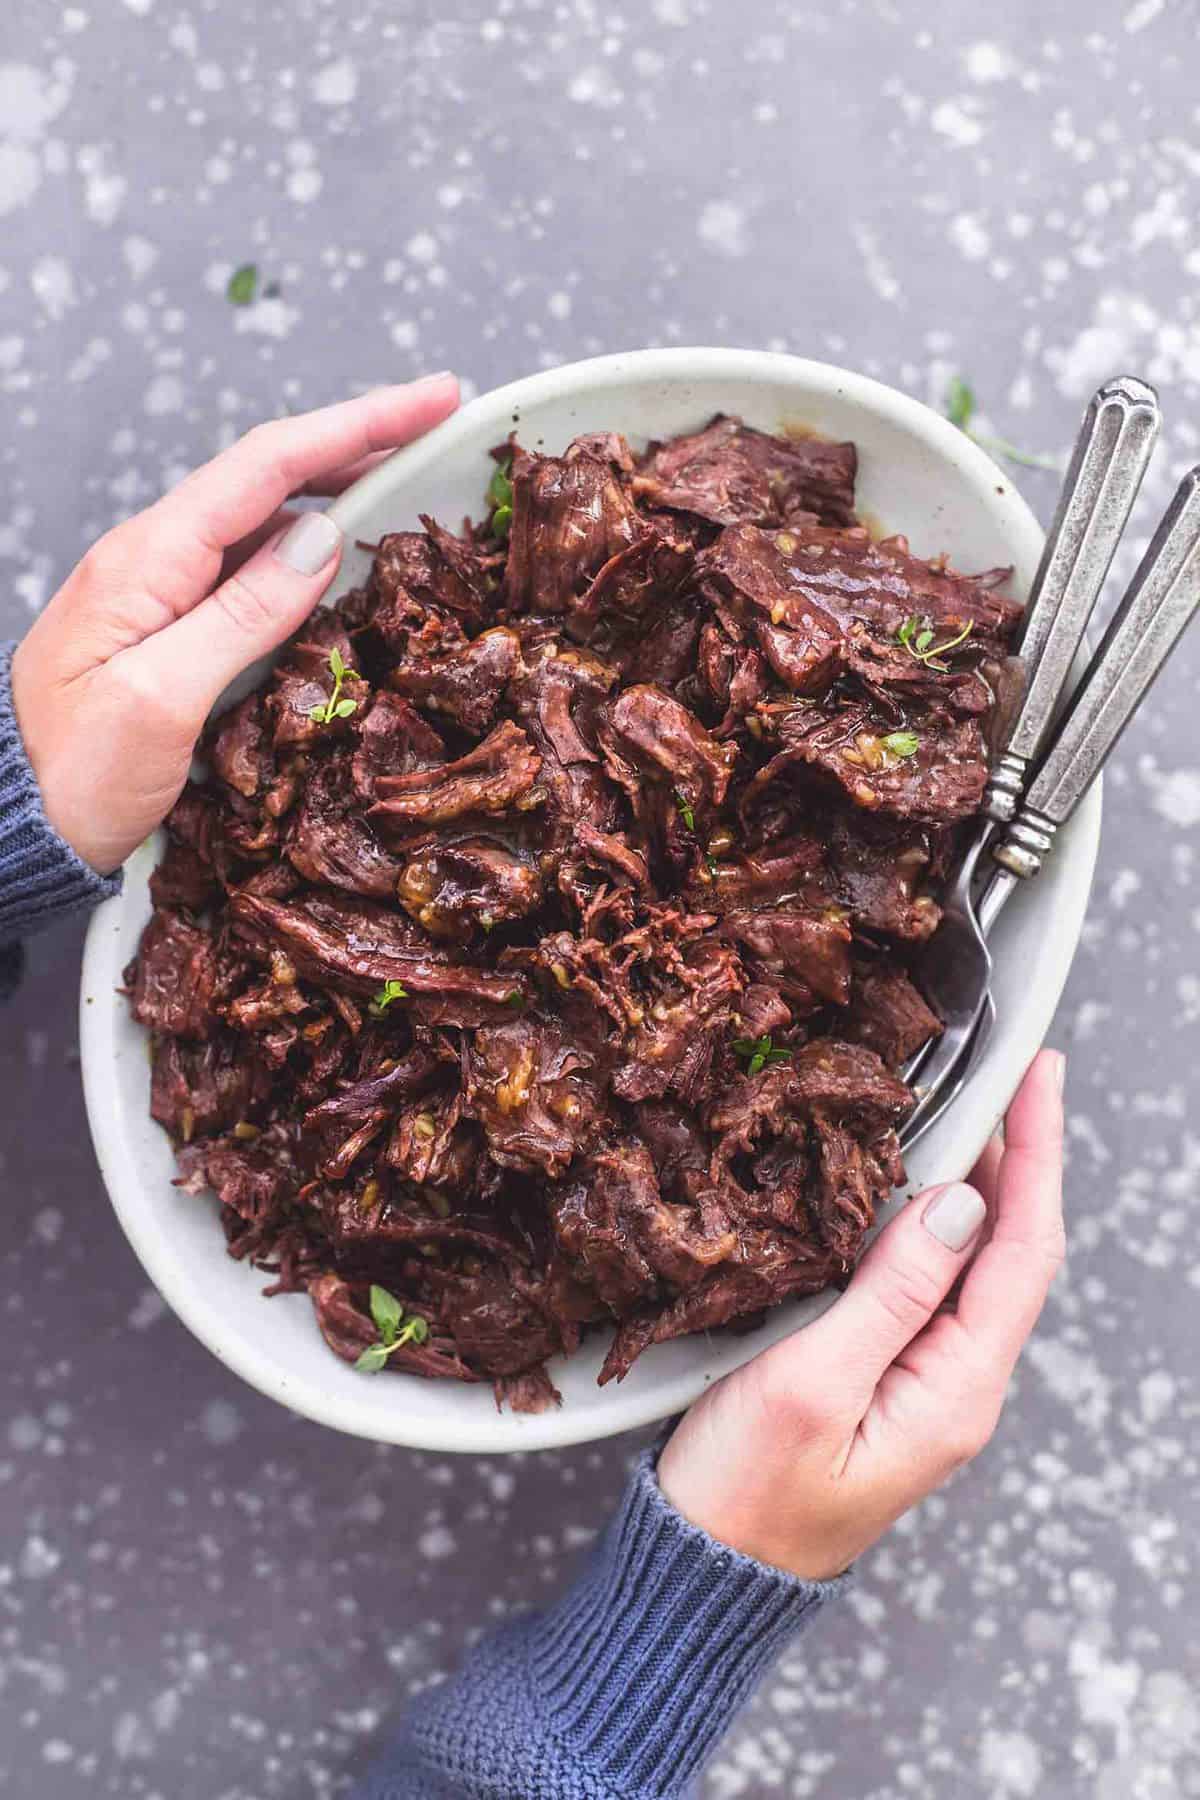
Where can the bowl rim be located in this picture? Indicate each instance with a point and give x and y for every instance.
(557, 1427)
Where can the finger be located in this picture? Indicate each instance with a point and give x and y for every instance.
(895, 1290)
(149, 571)
(248, 616)
(1007, 1285)
(323, 487)
(244, 549)
(235, 492)
(983, 1175)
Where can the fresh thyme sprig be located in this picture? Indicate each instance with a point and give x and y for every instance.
(337, 706)
(394, 1331)
(960, 410)
(500, 494)
(760, 1051)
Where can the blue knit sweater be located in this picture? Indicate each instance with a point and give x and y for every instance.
(624, 1687)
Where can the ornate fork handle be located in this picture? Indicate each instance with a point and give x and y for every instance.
(1111, 452)
(1160, 601)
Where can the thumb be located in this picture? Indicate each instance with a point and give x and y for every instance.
(897, 1288)
(252, 612)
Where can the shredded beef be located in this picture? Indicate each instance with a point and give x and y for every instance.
(558, 978)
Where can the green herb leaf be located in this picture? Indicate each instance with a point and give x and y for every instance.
(336, 707)
(502, 521)
(685, 809)
(500, 490)
(1029, 459)
(960, 402)
(960, 410)
(391, 990)
(373, 1358)
(243, 285)
(761, 1051)
(902, 743)
(387, 1313)
(415, 1331)
(923, 639)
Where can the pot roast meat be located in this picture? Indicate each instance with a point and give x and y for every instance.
(498, 774)
(560, 981)
(570, 515)
(173, 976)
(728, 474)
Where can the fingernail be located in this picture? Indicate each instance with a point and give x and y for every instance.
(309, 544)
(955, 1215)
(1060, 1070)
(433, 380)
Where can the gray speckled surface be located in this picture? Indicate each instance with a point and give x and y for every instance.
(202, 1596)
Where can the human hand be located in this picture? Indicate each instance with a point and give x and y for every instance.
(114, 680)
(805, 1456)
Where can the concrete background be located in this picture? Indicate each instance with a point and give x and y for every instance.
(200, 1596)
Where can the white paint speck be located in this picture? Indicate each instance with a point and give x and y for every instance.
(220, 1422)
(969, 236)
(988, 62)
(437, 1542)
(722, 227)
(164, 395)
(54, 284)
(38, 1558)
(336, 83)
(1011, 1762)
(951, 119)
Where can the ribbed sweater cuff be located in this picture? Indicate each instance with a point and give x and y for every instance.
(647, 1657)
(41, 877)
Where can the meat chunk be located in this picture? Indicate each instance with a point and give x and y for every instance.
(853, 579)
(330, 842)
(800, 640)
(570, 515)
(456, 889)
(416, 574)
(173, 977)
(362, 948)
(535, 1090)
(463, 682)
(730, 474)
(393, 739)
(498, 774)
(933, 771)
(889, 1015)
(623, 1239)
(670, 742)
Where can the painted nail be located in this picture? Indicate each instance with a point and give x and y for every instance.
(955, 1215)
(309, 544)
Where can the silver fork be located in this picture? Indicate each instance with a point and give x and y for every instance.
(1160, 601)
(1109, 460)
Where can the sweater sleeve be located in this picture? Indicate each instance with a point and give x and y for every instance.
(41, 877)
(622, 1689)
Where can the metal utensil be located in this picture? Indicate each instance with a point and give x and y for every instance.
(1159, 603)
(1111, 452)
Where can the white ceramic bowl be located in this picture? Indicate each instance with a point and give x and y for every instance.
(919, 475)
